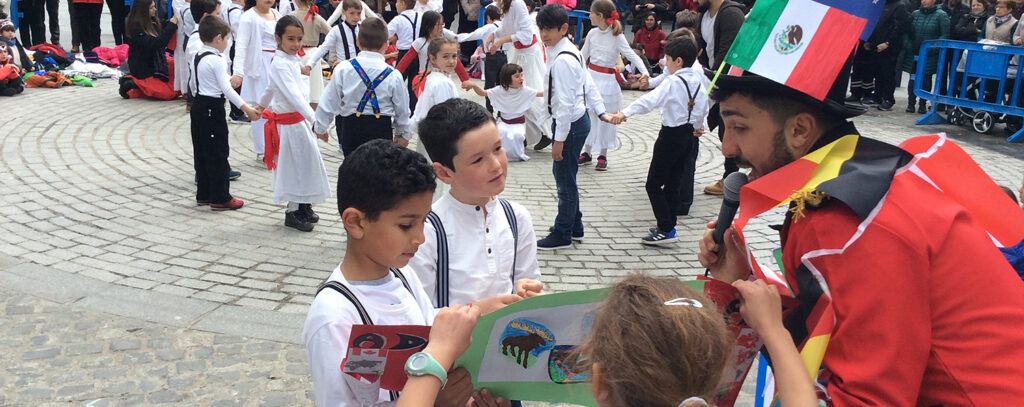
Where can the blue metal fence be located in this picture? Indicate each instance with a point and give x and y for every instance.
(970, 71)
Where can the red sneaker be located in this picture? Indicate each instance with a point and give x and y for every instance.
(602, 163)
(231, 205)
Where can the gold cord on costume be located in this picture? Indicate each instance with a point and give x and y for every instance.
(803, 198)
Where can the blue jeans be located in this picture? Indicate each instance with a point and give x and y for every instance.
(569, 217)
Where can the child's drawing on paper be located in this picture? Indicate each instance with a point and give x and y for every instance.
(524, 340)
(562, 365)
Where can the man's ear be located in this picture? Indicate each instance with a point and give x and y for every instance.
(354, 221)
(801, 131)
(443, 173)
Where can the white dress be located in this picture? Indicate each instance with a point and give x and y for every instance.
(258, 54)
(512, 104)
(603, 48)
(517, 23)
(300, 175)
(185, 27)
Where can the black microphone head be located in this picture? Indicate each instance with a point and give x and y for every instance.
(733, 183)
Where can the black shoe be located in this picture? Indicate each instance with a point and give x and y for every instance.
(126, 85)
(308, 214)
(233, 175)
(8, 92)
(869, 101)
(295, 220)
(910, 108)
(922, 108)
(551, 243)
(885, 106)
(544, 142)
(576, 236)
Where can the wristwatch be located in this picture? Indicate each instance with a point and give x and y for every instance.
(421, 364)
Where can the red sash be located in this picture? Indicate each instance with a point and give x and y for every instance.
(514, 120)
(271, 138)
(601, 69)
(520, 45)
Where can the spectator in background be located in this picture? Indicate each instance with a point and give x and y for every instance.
(882, 49)
(641, 8)
(567, 4)
(1001, 26)
(76, 41)
(926, 23)
(681, 5)
(88, 14)
(31, 26)
(968, 27)
(118, 13)
(956, 9)
(649, 38)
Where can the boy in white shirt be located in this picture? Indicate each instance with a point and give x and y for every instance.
(199, 9)
(569, 91)
(492, 62)
(209, 127)
(342, 38)
(384, 193)
(684, 109)
(366, 115)
(482, 243)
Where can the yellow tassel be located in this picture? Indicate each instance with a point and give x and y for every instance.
(803, 198)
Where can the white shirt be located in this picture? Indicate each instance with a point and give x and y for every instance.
(366, 12)
(213, 77)
(511, 103)
(233, 15)
(655, 81)
(673, 99)
(480, 251)
(345, 89)
(516, 23)
(569, 88)
(405, 31)
(329, 326)
(437, 88)
(251, 35)
(286, 92)
(707, 30)
(481, 34)
(338, 41)
(432, 5)
(603, 48)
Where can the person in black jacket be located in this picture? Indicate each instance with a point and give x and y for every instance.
(660, 8)
(956, 9)
(720, 21)
(149, 74)
(968, 27)
(876, 58)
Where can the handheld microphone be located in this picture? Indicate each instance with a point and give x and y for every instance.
(730, 203)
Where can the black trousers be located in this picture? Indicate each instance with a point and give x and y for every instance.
(357, 130)
(862, 78)
(408, 74)
(670, 177)
(885, 81)
(75, 39)
(32, 27)
(926, 84)
(492, 65)
(88, 15)
(53, 14)
(210, 149)
(118, 14)
(16, 84)
(715, 120)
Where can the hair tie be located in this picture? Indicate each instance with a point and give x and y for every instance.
(6, 23)
(687, 302)
(313, 10)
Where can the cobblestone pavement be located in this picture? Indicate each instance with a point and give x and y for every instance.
(112, 279)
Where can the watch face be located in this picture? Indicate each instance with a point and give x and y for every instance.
(418, 362)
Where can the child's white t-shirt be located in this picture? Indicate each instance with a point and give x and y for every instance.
(329, 325)
(437, 88)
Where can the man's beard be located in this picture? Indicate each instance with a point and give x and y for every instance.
(703, 6)
(780, 156)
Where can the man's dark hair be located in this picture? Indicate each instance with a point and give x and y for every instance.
(211, 27)
(445, 125)
(201, 7)
(492, 12)
(687, 19)
(551, 16)
(379, 175)
(780, 106)
(683, 47)
(372, 34)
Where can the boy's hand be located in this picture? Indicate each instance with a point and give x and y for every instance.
(251, 113)
(645, 82)
(306, 69)
(726, 262)
(174, 19)
(699, 132)
(760, 305)
(401, 141)
(616, 118)
(450, 334)
(468, 85)
(323, 137)
(483, 398)
(458, 390)
(527, 288)
(488, 305)
(236, 81)
(556, 150)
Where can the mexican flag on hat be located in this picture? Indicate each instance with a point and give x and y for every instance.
(802, 44)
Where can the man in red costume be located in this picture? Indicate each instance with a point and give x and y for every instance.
(889, 251)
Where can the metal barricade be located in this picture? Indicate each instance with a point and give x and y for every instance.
(969, 71)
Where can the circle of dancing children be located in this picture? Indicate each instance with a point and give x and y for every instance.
(528, 52)
(299, 176)
(512, 99)
(313, 26)
(149, 74)
(602, 48)
(255, 47)
(684, 109)
(209, 124)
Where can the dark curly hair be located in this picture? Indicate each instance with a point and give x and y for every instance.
(379, 175)
(445, 124)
